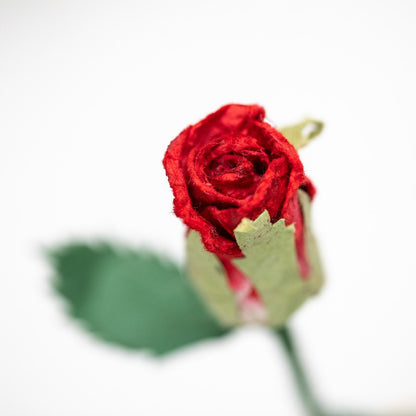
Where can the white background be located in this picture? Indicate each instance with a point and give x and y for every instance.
(91, 93)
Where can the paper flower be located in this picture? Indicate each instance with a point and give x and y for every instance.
(240, 187)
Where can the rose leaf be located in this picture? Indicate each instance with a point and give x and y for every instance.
(134, 298)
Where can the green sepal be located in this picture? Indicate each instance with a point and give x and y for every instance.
(209, 279)
(134, 298)
(270, 262)
(301, 133)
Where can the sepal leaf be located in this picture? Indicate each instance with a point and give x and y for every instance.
(301, 133)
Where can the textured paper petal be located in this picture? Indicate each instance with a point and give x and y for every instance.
(136, 299)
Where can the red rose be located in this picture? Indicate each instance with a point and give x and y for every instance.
(233, 165)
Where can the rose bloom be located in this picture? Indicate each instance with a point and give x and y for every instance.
(234, 165)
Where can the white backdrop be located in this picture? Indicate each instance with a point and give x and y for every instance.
(91, 93)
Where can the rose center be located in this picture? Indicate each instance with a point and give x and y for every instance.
(226, 163)
(235, 175)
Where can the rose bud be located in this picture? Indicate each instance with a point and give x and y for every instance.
(240, 188)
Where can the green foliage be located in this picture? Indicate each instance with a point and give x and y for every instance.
(271, 264)
(136, 299)
(301, 133)
(209, 279)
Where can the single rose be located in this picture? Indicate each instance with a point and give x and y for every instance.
(234, 165)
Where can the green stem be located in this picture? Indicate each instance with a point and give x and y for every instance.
(308, 398)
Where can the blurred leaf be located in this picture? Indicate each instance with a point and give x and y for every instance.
(300, 134)
(133, 298)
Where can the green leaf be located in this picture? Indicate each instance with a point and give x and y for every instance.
(136, 299)
(301, 133)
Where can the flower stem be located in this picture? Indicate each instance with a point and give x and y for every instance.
(308, 398)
